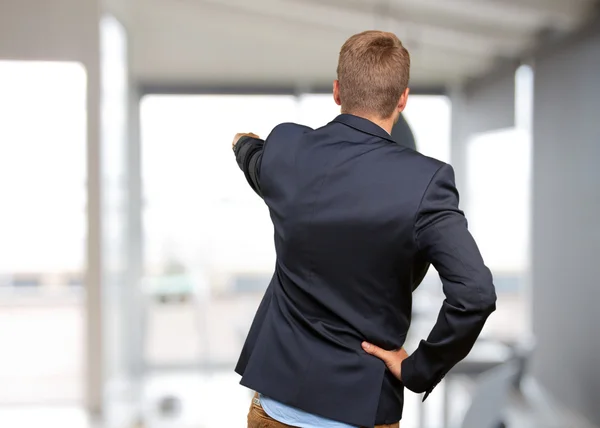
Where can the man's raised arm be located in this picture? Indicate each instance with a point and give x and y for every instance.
(248, 149)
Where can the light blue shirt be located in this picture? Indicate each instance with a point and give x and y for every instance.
(296, 417)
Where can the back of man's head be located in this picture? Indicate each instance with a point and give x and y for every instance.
(373, 72)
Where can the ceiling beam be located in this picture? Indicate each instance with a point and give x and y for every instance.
(562, 14)
(193, 88)
(330, 15)
(154, 52)
(413, 21)
(244, 19)
(454, 15)
(559, 10)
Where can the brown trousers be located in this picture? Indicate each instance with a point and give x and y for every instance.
(258, 418)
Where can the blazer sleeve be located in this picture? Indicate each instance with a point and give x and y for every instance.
(442, 236)
(248, 153)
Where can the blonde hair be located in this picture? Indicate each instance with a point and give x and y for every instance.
(373, 72)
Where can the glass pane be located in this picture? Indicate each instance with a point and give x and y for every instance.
(498, 208)
(207, 235)
(42, 230)
(316, 110)
(208, 246)
(429, 119)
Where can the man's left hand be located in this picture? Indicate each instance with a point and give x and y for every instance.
(238, 136)
(392, 359)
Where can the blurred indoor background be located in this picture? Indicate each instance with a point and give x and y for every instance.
(128, 275)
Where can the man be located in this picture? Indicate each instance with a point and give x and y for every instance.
(358, 219)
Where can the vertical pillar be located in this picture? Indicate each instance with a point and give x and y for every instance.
(566, 234)
(458, 140)
(94, 350)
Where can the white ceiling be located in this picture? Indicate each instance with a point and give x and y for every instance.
(296, 42)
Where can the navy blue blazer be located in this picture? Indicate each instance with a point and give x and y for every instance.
(357, 219)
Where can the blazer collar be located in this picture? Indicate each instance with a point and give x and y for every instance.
(364, 125)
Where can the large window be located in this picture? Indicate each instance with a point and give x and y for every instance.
(207, 235)
(42, 231)
(498, 209)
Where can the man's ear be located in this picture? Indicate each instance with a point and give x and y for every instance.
(402, 101)
(336, 92)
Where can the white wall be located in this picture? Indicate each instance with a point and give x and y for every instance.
(566, 228)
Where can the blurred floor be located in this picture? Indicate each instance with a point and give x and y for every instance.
(42, 349)
(43, 363)
(44, 416)
(204, 401)
(216, 400)
(211, 401)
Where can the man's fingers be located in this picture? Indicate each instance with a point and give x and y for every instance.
(376, 351)
(392, 359)
(239, 135)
